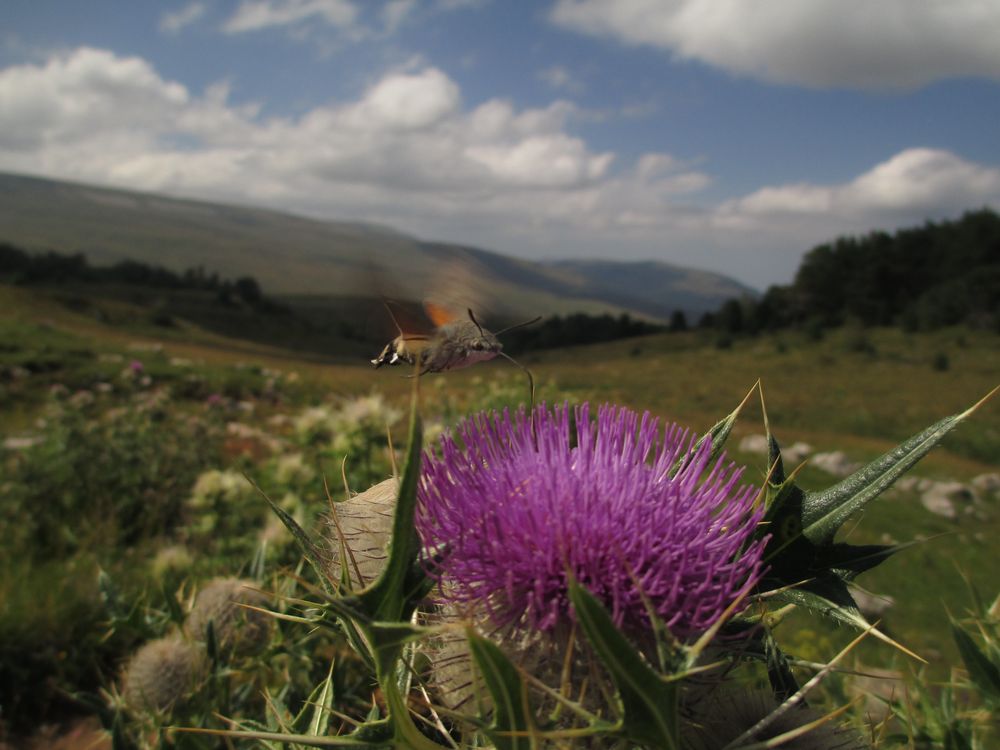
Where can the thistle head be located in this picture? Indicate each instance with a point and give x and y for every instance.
(521, 505)
(162, 674)
(238, 630)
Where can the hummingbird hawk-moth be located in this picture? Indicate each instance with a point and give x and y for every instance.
(456, 342)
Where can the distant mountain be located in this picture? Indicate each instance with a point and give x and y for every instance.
(653, 288)
(292, 255)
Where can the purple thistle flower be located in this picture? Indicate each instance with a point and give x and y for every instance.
(517, 513)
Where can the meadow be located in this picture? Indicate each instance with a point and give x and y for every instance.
(128, 448)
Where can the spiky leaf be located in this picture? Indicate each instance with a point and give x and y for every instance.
(984, 674)
(308, 546)
(391, 597)
(823, 513)
(512, 726)
(717, 435)
(649, 703)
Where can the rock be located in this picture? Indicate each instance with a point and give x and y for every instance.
(878, 686)
(939, 506)
(754, 444)
(834, 462)
(21, 443)
(796, 453)
(988, 484)
(791, 455)
(942, 498)
(872, 606)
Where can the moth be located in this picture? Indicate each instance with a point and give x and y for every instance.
(457, 341)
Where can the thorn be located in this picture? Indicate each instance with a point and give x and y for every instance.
(981, 401)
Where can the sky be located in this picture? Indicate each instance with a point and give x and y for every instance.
(718, 134)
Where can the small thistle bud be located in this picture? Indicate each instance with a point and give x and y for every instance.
(238, 630)
(366, 524)
(162, 674)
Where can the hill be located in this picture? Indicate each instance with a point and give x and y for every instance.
(640, 285)
(295, 256)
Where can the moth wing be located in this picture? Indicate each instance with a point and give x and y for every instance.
(439, 314)
(407, 319)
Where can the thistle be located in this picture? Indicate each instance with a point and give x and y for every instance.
(237, 629)
(520, 506)
(162, 674)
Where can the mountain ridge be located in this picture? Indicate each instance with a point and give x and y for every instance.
(294, 255)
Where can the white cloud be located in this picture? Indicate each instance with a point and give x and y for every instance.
(450, 5)
(408, 101)
(257, 15)
(816, 43)
(70, 99)
(404, 149)
(395, 12)
(559, 77)
(914, 185)
(171, 23)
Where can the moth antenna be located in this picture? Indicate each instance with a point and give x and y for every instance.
(518, 325)
(531, 380)
(473, 319)
(393, 316)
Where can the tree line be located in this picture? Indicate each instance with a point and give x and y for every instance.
(22, 268)
(921, 278)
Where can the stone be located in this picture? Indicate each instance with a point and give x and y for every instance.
(754, 444)
(834, 462)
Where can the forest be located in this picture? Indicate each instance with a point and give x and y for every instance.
(920, 278)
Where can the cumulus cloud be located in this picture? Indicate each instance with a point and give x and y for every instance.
(395, 13)
(914, 185)
(559, 77)
(257, 15)
(172, 22)
(815, 43)
(406, 151)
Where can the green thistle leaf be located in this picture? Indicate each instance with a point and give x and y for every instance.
(308, 546)
(394, 595)
(823, 513)
(718, 434)
(650, 704)
(512, 728)
(985, 675)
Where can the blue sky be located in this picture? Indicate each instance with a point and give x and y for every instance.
(718, 134)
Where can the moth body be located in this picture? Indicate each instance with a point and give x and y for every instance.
(452, 346)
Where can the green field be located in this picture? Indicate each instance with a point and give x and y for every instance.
(856, 391)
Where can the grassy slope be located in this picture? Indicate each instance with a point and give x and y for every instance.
(827, 393)
(290, 254)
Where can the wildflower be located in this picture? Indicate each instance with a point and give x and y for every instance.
(519, 508)
(291, 468)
